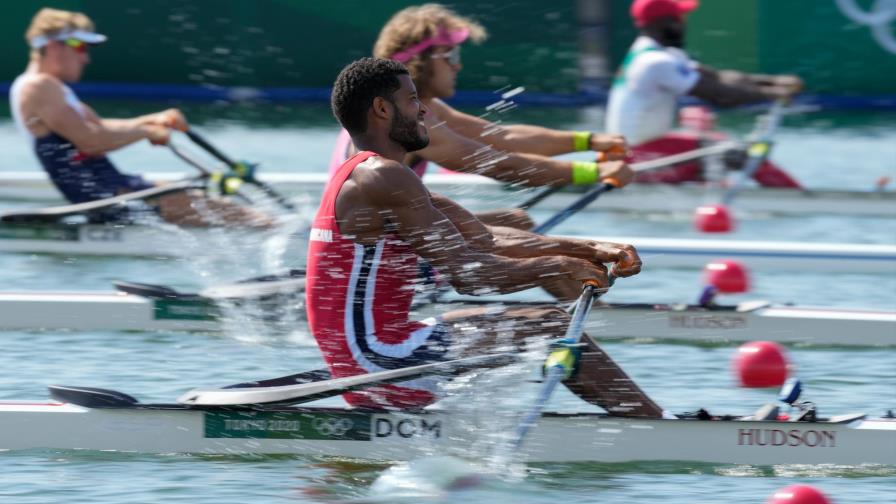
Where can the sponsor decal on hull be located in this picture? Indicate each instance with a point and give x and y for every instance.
(288, 425)
(707, 322)
(180, 309)
(30, 232)
(331, 426)
(812, 438)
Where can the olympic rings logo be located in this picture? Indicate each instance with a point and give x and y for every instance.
(878, 19)
(332, 426)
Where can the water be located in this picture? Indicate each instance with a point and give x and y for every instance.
(824, 149)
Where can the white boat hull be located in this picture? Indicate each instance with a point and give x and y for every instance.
(161, 240)
(164, 240)
(747, 322)
(316, 432)
(483, 193)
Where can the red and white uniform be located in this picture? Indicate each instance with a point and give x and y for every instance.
(358, 299)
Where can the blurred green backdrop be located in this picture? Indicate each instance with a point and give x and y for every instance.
(533, 43)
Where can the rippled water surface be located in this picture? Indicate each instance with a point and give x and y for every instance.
(824, 149)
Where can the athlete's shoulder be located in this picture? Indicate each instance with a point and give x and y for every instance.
(36, 80)
(386, 180)
(39, 86)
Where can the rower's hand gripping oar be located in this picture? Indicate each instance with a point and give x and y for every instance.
(607, 185)
(561, 363)
(544, 193)
(243, 170)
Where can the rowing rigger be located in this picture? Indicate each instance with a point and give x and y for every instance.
(474, 191)
(278, 305)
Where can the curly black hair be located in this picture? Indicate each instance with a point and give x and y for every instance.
(358, 84)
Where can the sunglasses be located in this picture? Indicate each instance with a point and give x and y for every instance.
(78, 45)
(453, 56)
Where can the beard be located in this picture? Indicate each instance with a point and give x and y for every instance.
(672, 37)
(404, 132)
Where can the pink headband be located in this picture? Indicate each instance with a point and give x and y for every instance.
(444, 37)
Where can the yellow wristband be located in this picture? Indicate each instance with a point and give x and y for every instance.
(581, 141)
(584, 172)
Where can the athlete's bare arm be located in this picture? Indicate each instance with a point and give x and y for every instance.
(383, 196)
(522, 137)
(511, 242)
(43, 98)
(729, 88)
(457, 152)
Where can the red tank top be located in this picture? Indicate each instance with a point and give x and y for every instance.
(358, 298)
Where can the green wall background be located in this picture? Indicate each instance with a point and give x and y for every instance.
(296, 43)
(533, 43)
(808, 37)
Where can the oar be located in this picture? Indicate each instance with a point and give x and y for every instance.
(226, 182)
(258, 393)
(641, 167)
(244, 170)
(560, 364)
(544, 193)
(717, 218)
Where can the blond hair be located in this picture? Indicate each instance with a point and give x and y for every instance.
(51, 22)
(413, 25)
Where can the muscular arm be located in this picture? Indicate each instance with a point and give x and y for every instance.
(511, 242)
(523, 138)
(395, 200)
(460, 153)
(513, 138)
(729, 88)
(45, 99)
(466, 150)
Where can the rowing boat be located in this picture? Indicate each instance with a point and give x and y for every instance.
(379, 435)
(477, 192)
(280, 308)
(164, 240)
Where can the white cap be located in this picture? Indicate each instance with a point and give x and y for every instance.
(82, 35)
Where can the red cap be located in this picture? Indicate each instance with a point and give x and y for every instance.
(644, 11)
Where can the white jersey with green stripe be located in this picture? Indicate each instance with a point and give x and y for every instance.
(644, 95)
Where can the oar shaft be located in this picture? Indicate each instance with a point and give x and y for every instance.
(757, 152)
(557, 373)
(643, 166)
(540, 195)
(682, 157)
(567, 212)
(211, 149)
(190, 160)
(202, 142)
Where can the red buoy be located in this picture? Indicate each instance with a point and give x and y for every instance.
(799, 494)
(713, 219)
(761, 364)
(727, 276)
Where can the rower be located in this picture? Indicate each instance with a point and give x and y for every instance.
(376, 221)
(656, 71)
(428, 39)
(71, 141)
